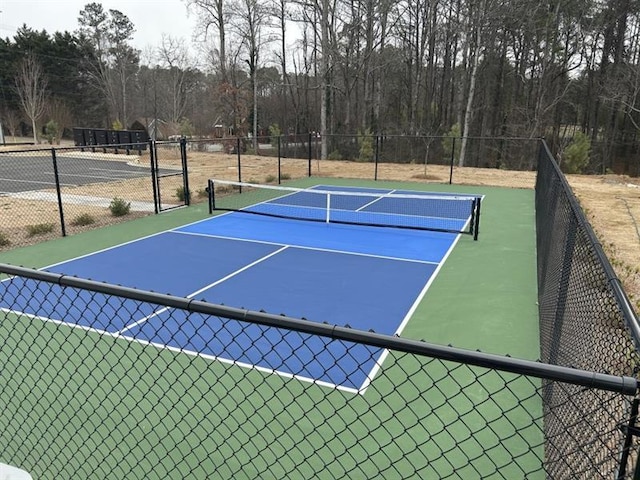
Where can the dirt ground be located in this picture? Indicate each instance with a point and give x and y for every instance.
(611, 202)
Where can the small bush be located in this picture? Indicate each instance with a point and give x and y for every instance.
(285, 176)
(202, 193)
(82, 220)
(4, 240)
(180, 193)
(274, 134)
(365, 142)
(451, 143)
(52, 132)
(39, 229)
(576, 156)
(119, 207)
(270, 179)
(334, 155)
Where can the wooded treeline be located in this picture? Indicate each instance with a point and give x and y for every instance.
(516, 68)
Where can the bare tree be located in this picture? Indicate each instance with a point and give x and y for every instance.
(173, 56)
(213, 14)
(249, 19)
(31, 85)
(11, 119)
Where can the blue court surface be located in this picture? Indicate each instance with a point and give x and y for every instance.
(367, 277)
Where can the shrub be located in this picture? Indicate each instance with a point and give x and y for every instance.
(274, 133)
(4, 240)
(576, 156)
(202, 193)
(285, 176)
(180, 193)
(186, 127)
(82, 220)
(39, 229)
(270, 179)
(335, 155)
(52, 132)
(119, 207)
(451, 143)
(365, 142)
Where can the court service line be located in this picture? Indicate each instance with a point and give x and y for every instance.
(372, 214)
(379, 362)
(302, 247)
(205, 288)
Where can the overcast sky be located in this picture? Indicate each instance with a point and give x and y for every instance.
(151, 18)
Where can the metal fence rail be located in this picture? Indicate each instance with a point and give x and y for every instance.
(81, 402)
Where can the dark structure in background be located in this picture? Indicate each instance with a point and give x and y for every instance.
(100, 139)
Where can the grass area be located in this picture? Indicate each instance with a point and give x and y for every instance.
(103, 407)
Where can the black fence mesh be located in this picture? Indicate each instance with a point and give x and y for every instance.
(83, 396)
(48, 193)
(585, 317)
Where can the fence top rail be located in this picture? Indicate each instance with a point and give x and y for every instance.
(623, 385)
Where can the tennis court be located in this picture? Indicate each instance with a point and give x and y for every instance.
(345, 273)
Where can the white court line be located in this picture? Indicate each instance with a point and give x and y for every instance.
(207, 287)
(407, 317)
(162, 346)
(302, 247)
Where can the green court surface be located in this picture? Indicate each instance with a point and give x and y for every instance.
(100, 407)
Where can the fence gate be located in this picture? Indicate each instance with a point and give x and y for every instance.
(169, 175)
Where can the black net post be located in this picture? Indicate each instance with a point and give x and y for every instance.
(309, 156)
(476, 217)
(58, 192)
(279, 160)
(376, 157)
(212, 198)
(239, 161)
(154, 176)
(453, 154)
(185, 171)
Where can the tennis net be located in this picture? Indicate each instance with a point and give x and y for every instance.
(351, 205)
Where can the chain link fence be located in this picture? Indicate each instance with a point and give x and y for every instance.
(99, 389)
(53, 192)
(93, 388)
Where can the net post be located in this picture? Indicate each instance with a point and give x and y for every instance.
(185, 171)
(239, 164)
(375, 175)
(56, 174)
(212, 198)
(154, 176)
(453, 149)
(476, 217)
(309, 159)
(279, 162)
(328, 217)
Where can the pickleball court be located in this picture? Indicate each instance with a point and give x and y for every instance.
(361, 257)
